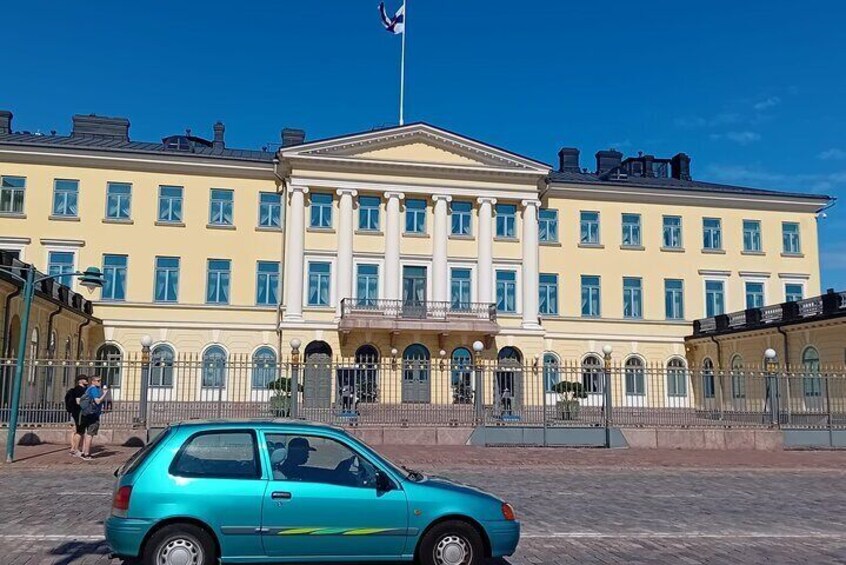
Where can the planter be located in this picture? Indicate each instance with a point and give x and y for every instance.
(568, 409)
(280, 405)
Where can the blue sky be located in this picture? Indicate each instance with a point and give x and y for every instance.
(753, 91)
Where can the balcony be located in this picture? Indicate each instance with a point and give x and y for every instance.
(425, 316)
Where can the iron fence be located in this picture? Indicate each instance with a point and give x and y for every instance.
(431, 393)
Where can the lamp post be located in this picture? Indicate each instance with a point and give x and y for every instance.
(771, 364)
(91, 278)
(146, 342)
(606, 385)
(478, 399)
(295, 377)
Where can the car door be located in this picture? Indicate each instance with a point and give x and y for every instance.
(322, 502)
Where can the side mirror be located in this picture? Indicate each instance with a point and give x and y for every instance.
(383, 483)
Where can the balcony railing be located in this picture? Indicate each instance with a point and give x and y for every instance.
(417, 310)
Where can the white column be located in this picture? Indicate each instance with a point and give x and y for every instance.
(392, 246)
(484, 276)
(530, 264)
(345, 246)
(440, 234)
(294, 254)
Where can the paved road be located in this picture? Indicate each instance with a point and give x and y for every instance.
(570, 515)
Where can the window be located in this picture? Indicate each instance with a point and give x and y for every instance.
(506, 221)
(170, 204)
(267, 283)
(790, 237)
(674, 299)
(217, 286)
(367, 285)
(65, 198)
(167, 279)
(672, 232)
(109, 361)
(460, 288)
(321, 211)
(218, 455)
(462, 375)
(368, 213)
(548, 299)
(812, 382)
(319, 460)
(676, 378)
(635, 378)
(220, 207)
(118, 200)
(708, 383)
(12, 194)
(547, 225)
(793, 292)
(264, 368)
(632, 297)
(415, 216)
(631, 230)
(114, 277)
(593, 378)
(589, 228)
(161, 366)
(754, 294)
(714, 298)
(506, 291)
(461, 218)
(752, 236)
(590, 296)
(318, 283)
(551, 371)
(738, 380)
(214, 367)
(61, 263)
(270, 210)
(712, 233)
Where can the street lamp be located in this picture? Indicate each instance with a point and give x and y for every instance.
(478, 398)
(295, 376)
(770, 365)
(606, 352)
(91, 278)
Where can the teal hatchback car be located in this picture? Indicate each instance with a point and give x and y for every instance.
(283, 491)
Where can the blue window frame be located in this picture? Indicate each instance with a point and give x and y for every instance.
(220, 207)
(462, 218)
(548, 299)
(712, 233)
(754, 294)
(551, 371)
(12, 194)
(674, 299)
(506, 291)
(590, 296)
(170, 204)
(367, 285)
(793, 292)
(217, 285)
(264, 367)
(631, 230)
(460, 291)
(715, 299)
(118, 200)
(270, 210)
(672, 232)
(589, 228)
(368, 213)
(506, 221)
(321, 210)
(66, 198)
(415, 216)
(632, 297)
(547, 225)
(790, 237)
(267, 283)
(167, 279)
(752, 236)
(319, 279)
(161, 366)
(60, 263)
(214, 367)
(114, 277)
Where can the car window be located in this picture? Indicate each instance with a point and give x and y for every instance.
(315, 459)
(227, 455)
(141, 455)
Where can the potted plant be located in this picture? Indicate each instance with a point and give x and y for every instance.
(569, 394)
(280, 402)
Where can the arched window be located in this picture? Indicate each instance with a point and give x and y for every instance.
(592, 378)
(415, 360)
(551, 371)
(738, 380)
(108, 364)
(367, 373)
(510, 356)
(635, 379)
(676, 378)
(462, 375)
(214, 367)
(320, 350)
(161, 366)
(708, 384)
(68, 368)
(264, 367)
(33, 355)
(812, 383)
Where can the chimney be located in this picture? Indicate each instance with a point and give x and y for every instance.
(680, 167)
(292, 136)
(568, 159)
(100, 127)
(607, 160)
(5, 121)
(218, 143)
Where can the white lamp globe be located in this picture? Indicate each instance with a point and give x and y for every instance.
(146, 341)
(478, 346)
(770, 353)
(295, 343)
(607, 349)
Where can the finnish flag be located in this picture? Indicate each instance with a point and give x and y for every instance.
(395, 25)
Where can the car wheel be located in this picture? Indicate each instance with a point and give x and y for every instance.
(180, 544)
(451, 543)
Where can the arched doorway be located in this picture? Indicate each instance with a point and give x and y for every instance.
(415, 374)
(462, 376)
(508, 383)
(108, 365)
(317, 375)
(367, 373)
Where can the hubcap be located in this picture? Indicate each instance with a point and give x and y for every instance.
(453, 550)
(180, 551)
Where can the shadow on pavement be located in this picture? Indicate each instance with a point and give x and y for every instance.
(78, 550)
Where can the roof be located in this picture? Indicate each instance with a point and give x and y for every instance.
(122, 146)
(255, 422)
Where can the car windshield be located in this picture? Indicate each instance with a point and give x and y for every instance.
(139, 456)
(400, 470)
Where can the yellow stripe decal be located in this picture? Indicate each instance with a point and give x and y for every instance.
(365, 531)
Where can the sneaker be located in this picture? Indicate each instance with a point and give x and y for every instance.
(85, 457)
(74, 453)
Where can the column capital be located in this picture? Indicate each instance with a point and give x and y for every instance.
(292, 188)
(347, 192)
(444, 197)
(397, 195)
(530, 202)
(486, 200)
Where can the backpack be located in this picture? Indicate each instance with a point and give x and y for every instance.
(70, 400)
(87, 405)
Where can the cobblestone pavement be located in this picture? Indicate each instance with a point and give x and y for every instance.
(647, 508)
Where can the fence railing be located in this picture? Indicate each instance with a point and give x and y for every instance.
(417, 309)
(421, 392)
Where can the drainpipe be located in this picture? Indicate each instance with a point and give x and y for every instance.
(79, 337)
(6, 317)
(50, 326)
(719, 369)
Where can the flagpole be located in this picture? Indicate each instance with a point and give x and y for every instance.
(402, 64)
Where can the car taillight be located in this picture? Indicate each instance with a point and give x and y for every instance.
(507, 511)
(120, 504)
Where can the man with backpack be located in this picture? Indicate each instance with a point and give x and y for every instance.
(72, 398)
(91, 406)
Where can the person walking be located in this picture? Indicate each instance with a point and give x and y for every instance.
(72, 397)
(91, 407)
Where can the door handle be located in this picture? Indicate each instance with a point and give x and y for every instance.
(279, 495)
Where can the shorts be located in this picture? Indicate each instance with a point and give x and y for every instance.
(89, 424)
(76, 420)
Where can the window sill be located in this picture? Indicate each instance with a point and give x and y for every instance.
(506, 239)
(170, 224)
(550, 243)
(319, 308)
(465, 237)
(591, 246)
(13, 215)
(673, 249)
(633, 247)
(799, 255)
(267, 306)
(320, 230)
(415, 234)
(269, 228)
(369, 232)
(128, 222)
(714, 251)
(63, 218)
(220, 227)
(758, 253)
